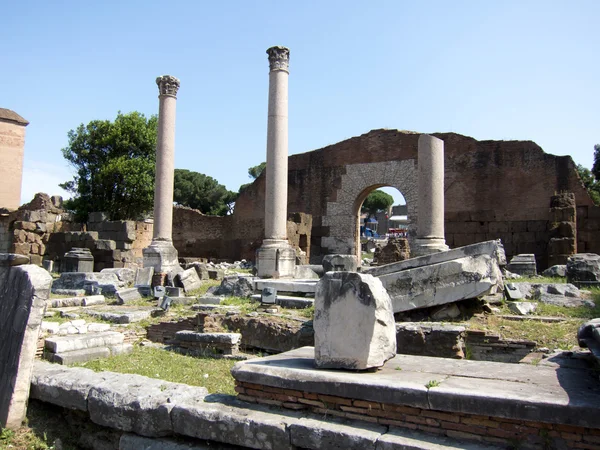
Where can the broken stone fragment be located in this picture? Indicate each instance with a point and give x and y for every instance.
(354, 323)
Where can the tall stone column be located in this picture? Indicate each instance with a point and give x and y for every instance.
(430, 221)
(276, 258)
(161, 254)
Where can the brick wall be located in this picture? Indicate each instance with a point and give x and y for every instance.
(12, 144)
(588, 229)
(490, 191)
(466, 427)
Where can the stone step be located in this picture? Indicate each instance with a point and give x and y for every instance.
(290, 285)
(289, 301)
(73, 342)
(86, 354)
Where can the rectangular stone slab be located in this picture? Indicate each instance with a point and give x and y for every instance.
(552, 394)
(82, 341)
(481, 248)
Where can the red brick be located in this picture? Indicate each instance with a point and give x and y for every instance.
(519, 429)
(479, 421)
(463, 436)
(441, 416)
(316, 403)
(463, 428)
(294, 406)
(330, 412)
(246, 398)
(266, 401)
(361, 417)
(311, 396)
(571, 436)
(397, 423)
(328, 399)
(403, 409)
(569, 428)
(432, 430)
(258, 387)
(352, 409)
(422, 420)
(240, 390)
(583, 445)
(591, 439)
(367, 405)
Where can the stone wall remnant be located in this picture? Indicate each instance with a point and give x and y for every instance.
(25, 289)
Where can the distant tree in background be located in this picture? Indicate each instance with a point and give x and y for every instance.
(377, 201)
(203, 193)
(255, 171)
(115, 166)
(596, 165)
(591, 178)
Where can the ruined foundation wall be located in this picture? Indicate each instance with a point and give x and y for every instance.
(493, 189)
(588, 229)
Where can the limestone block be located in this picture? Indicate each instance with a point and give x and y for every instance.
(430, 339)
(135, 442)
(25, 289)
(128, 295)
(138, 404)
(248, 428)
(583, 267)
(189, 279)
(332, 434)
(445, 282)
(522, 308)
(79, 342)
(354, 322)
(336, 263)
(143, 277)
(236, 285)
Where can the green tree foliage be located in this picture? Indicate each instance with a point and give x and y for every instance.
(115, 166)
(591, 183)
(596, 166)
(255, 171)
(203, 193)
(377, 201)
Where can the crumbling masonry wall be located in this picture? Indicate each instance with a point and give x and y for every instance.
(493, 190)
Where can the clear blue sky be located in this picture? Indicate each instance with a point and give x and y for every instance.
(514, 69)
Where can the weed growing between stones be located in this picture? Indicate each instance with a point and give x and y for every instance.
(432, 383)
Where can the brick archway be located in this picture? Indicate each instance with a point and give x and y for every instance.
(341, 217)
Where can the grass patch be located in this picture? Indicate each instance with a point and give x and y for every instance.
(213, 374)
(206, 284)
(538, 279)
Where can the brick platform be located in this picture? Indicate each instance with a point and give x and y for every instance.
(556, 404)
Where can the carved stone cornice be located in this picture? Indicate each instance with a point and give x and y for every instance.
(279, 58)
(168, 85)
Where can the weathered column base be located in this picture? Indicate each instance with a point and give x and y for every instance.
(276, 259)
(427, 246)
(162, 256)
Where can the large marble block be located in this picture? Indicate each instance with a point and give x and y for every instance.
(354, 322)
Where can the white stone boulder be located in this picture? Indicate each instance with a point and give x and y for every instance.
(354, 322)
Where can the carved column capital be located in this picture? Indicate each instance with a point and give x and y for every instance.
(168, 85)
(279, 58)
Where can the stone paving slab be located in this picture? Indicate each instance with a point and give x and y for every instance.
(517, 391)
(62, 344)
(289, 301)
(122, 314)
